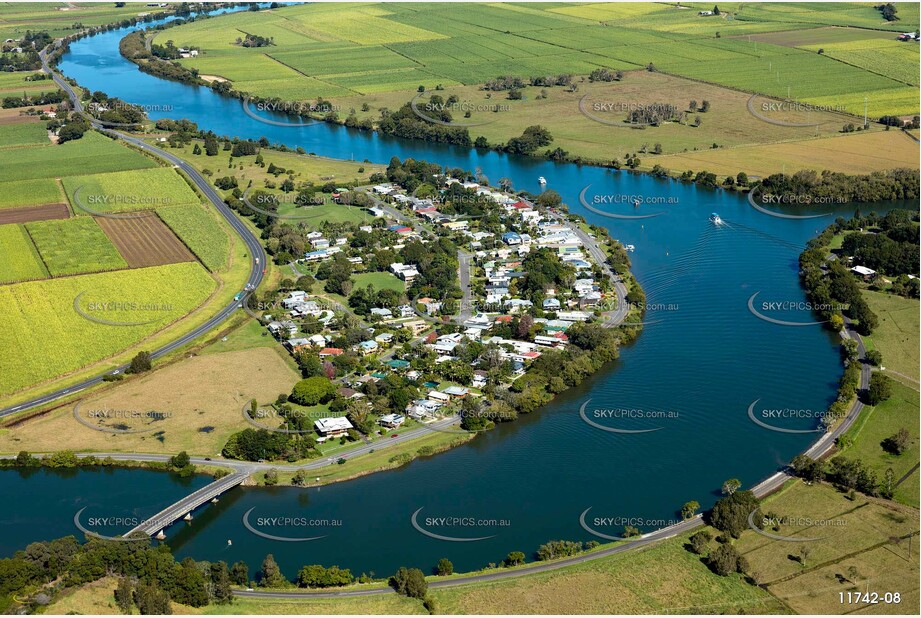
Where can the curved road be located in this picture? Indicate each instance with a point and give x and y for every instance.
(256, 252)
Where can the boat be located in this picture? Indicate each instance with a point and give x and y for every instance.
(715, 218)
(630, 248)
(542, 180)
(636, 203)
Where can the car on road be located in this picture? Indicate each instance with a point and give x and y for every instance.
(394, 435)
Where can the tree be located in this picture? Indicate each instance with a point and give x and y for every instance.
(239, 573)
(151, 600)
(271, 576)
(730, 486)
(409, 582)
(140, 363)
(730, 514)
(804, 552)
(444, 567)
(180, 460)
(313, 390)
(220, 583)
(700, 541)
(898, 442)
(514, 558)
(123, 595)
(875, 357)
(726, 559)
(880, 389)
(689, 509)
(705, 106)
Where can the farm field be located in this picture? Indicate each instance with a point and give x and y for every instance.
(895, 59)
(200, 398)
(145, 241)
(53, 339)
(34, 213)
(16, 193)
(844, 557)
(23, 134)
(74, 246)
(91, 154)
(370, 48)
(18, 18)
(855, 153)
(200, 231)
(129, 190)
(898, 332)
(20, 259)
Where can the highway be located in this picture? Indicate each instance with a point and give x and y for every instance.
(256, 254)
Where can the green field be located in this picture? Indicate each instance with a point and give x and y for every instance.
(21, 261)
(200, 231)
(49, 338)
(898, 332)
(23, 134)
(332, 212)
(130, 190)
(92, 154)
(380, 281)
(74, 246)
(328, 50)
(880, 422)
(16, 18)
(30, 193)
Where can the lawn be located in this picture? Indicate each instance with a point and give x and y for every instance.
(74, 246)
(49, 338)
(21, 261)
(380, 281)
(876, 423)
(200, 231)
(200, 398)
(328, 211)
(91, 154)
(130, 190)
(30, 192)
(898, 332)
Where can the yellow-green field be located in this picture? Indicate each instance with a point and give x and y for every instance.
(129, 190)
(48, 337)
(21, 261)
(897, 334)
(59, 18)
(35, 192)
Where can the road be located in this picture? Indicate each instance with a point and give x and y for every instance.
(256, 254)
(616, 317)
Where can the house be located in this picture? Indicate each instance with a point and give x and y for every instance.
(382, 313)
(294, 299)
(406, 272)
(348, 393)
(280, 329)
(511, 238)
(406, 311)
(456, 392)
(368, 347)
(590, 300)
(479, 378)
(430, 305)
(867, 273)
(421, 409)
(439, 397)
(550, 304)
(329, 352)
(417, 326)
(391, 420)
(397, 364)
(574, 316)
(384, 338)
(332, 427)
(298, 344)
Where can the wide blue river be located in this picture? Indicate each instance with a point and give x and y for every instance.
(702, 360)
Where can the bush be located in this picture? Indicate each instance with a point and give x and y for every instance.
(726, 559)
(700, 541)
(410, 583)
(445, 567)
(880, 389)
(313, 390)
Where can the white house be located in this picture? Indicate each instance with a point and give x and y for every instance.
(332, 427)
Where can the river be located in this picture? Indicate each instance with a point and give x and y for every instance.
(700, 362)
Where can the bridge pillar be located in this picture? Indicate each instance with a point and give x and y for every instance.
(188, 517)
(160, 536)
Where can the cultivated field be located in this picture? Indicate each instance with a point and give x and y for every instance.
(130, 190)
(200, 399)
(200, 231)
(74, 246)
(48, 338)
(23, 134)
(16, 18)
(34, 213)
(20, 259)
(91, 154)
(145, 241)
(328, 50)
(14, 194)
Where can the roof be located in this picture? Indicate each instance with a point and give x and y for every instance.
(397, 363)
(863, 270)
(336, 423)
(331, 351)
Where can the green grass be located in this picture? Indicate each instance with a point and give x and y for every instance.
(880, 422)
(48, 338)
(329, 211)
(92, 154)
(200, 231)
(129, 190)
(74, 246)
(23, 134)
(21, 261)
(35, 192)
(247, 337)
(380, 281)
(898, 332)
